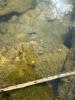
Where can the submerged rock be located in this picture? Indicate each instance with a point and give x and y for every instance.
(18, 5)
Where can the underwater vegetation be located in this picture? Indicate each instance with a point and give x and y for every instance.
(36, 41)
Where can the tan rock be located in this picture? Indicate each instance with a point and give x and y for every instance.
(17, 59)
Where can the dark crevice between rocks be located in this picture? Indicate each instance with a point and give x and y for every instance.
(8, 16)
(55, 86)
(69, 37)
(66, 58)
(5, 95)
(72, 16)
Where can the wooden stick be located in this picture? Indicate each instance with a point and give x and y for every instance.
(19, 86)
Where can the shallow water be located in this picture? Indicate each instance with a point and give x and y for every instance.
(37, 40)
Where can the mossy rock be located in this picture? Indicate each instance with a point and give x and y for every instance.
(15, 5)
(23, 74)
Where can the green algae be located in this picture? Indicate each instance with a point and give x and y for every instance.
(42, 55)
